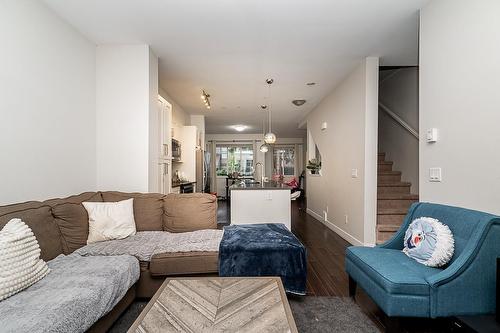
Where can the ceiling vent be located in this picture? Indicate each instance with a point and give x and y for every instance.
(299, 102)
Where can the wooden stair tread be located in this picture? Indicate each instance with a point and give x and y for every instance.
(396, 196)
(392, 211)
(388, 227)
(395, 173)
(394, 184)
(393, 199)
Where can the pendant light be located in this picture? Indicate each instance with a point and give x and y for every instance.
(270, 137)
(264, 148)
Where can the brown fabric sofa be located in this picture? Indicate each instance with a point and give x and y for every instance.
(61, 227)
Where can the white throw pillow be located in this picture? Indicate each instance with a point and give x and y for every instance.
(110, 220)
(20, 263)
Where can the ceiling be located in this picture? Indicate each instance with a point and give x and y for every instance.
(230, 47)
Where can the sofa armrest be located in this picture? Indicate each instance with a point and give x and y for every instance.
(189, 212)
(467, 285)
(397, 241)
(476, 242)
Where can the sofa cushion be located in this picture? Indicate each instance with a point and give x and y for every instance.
(72, 297)
(145, 244)
(42, 223)
(179, 263)
(7, 209)
(392, 270)
(73, 222)
(75, 199)
(148, 208)
(141, 245)
(189, 212)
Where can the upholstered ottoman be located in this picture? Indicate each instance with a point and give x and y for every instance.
(264, 250)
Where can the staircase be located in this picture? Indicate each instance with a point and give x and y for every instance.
(393, 199)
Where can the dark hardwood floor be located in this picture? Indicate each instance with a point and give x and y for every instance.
(326, 274)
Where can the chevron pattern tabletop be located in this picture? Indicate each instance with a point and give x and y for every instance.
(213, 304)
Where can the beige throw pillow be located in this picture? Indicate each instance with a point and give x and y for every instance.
(20, 263)
(110, 220)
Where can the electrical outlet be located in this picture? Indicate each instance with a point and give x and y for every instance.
(346, 219)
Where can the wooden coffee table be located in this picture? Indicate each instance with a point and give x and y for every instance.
(215, 304)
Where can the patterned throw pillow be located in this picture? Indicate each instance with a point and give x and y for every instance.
(20, 263)
(429, 242)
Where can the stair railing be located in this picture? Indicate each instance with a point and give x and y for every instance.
(399, 120)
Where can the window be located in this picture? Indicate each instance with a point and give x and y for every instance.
(284, 160)
(234, 158)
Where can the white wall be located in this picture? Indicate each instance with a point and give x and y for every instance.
(199, 122)
(350, 142)
(125, 87)
(47, 105)
(459, 95)
(399, 92)
(154, 124)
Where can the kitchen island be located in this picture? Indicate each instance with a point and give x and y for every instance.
(268, 202)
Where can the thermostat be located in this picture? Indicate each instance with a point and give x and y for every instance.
(432, 135)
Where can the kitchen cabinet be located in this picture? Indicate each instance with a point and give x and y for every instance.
(164, 170)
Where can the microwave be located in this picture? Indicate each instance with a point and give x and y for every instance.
(176, 150)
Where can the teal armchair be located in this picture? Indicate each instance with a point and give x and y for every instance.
(402, 287)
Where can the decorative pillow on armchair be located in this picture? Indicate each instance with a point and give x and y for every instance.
(429, 242)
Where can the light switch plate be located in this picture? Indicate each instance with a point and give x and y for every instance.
(354, 173)
(435, 174)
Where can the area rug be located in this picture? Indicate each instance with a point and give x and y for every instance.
(312, 315)
(329, 314)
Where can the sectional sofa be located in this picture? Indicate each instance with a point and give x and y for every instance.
(105, 285)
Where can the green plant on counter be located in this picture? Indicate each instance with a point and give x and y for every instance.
(221, 172)
(314, 165)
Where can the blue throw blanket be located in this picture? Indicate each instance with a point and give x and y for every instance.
(264, 250)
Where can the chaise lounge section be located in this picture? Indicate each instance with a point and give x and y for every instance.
(94, 287)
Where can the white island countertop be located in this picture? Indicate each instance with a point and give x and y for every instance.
(272, 185)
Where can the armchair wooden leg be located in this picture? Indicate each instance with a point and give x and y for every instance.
(352, 287)
(392, 325)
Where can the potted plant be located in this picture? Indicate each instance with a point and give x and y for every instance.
(314, 165)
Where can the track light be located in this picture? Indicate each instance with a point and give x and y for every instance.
(206, 99)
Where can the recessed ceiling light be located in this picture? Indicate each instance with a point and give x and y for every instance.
(240, 128)
(311, 83)
(263, 106)
(299, 102)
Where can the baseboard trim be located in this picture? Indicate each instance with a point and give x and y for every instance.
(342, 233)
